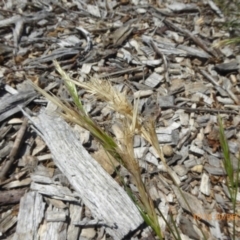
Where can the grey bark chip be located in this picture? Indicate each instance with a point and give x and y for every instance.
(101, 194)
(169, 61)
(153, 80)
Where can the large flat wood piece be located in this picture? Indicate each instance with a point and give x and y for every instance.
(107, 201)
(30, 216)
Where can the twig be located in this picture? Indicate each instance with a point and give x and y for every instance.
(11, 196)
(129, 70)
(187, 33)
(209, 110)
(14, 150)
(209, 77)
(157, 50)
(226, 89)
(13, 177)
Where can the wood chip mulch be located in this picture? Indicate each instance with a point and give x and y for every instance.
(51, 186)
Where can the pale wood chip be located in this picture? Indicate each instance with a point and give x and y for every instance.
(87, 171)
(196, 207)
(30, 216)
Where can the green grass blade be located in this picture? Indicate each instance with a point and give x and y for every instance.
(226, 156)
(232, 182)
(73, 92)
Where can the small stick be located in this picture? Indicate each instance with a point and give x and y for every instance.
(14, 150)
(157, 50)
(209, 77)
(187, 33)
(227, 90)
(11, 196)
(208, 110)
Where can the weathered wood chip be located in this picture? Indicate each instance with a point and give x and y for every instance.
(9, 105)
(88, 233)
(56, 216)
(121, 34)
(187, 228)
(181, 7)
(11, 196)
(75, 211)
(5, 150)
(143, 93)
(227, 67)
(169, 129)
(215, 8)
(151, 159)
(158, 51)
(197, 168)
(8, 220)
(108, 163)
(215, 170)
(195, 205)
(94, 10)
(205, 184)
(87, 177)
(57, 192)
(51, 230)
(164, 138)
(30, 216)
(139, 152)
(56, 203)
(153, 80)
(196, 150)
(165, 101)
(18, 183)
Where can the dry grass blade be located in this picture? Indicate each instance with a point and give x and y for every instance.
(103, 90)
(132, 123)
(226, 42)
(232, 182)
(125, 155)
(80, 118)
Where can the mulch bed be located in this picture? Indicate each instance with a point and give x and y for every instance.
(161, 52)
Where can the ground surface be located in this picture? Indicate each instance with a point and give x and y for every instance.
(162, 51)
